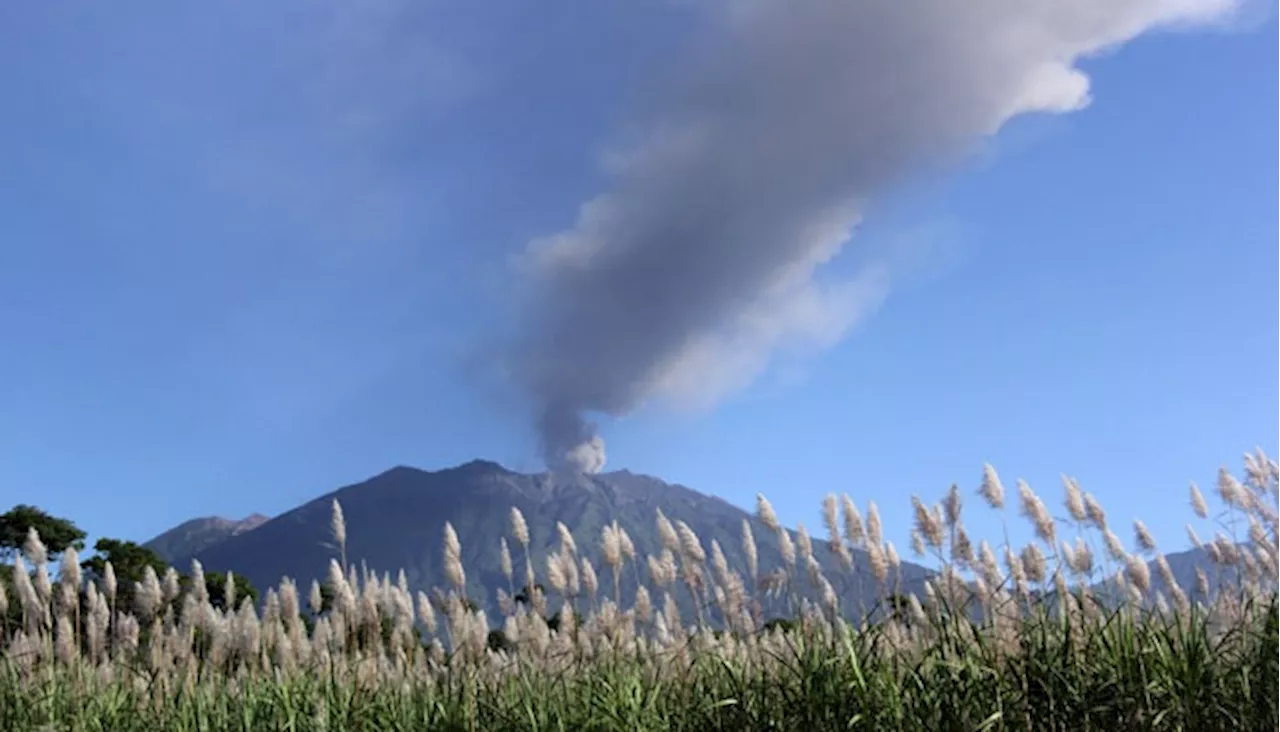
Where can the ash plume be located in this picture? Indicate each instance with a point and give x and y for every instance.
(749, 174)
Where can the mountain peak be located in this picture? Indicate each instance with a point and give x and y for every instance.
(480, 465)
(250, 522)
(196, 535)
(483, 467)
(397, 470)
(395, 521)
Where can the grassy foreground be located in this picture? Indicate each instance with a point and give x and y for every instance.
(1071, 632)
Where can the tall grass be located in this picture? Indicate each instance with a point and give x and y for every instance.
(1072, 631)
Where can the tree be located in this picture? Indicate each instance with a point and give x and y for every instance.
(786, 625)
(898, 607)
(216, 586)
(129, 561)
(326, 598)
(56, 533)
(553, 623)
(525, 597)
(498, 641)
(12, 617)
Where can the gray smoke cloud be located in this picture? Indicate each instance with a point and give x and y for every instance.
(701, 259)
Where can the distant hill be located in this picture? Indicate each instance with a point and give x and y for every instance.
(197, 535)
(395, 521)
(1183, 565)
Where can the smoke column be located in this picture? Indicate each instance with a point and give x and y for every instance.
(750, 173)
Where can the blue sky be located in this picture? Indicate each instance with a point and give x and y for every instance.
(250, 256)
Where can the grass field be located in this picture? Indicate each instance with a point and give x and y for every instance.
(1071, 632)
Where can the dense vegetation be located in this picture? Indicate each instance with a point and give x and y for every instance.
(1072, 631)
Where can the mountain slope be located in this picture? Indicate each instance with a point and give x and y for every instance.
(1184, 565)
(197, 535)
(395, 521)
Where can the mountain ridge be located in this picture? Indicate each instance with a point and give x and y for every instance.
(395, 522)
(195, 535)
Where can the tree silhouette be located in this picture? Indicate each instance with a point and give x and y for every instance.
(898, 607)
(498, 641)
(525, 597)
(56, 533)
(129, 562)
(215, 584)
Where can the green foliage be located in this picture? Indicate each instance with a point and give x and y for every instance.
(128, 560)
(12, 615)
(216, 585)
(56, 533)
(1125, 673)
(498, 641)
(897, 607)
(780, 624)
(553, 622)
(326, 597)
(1054, 662)
(525, 597)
